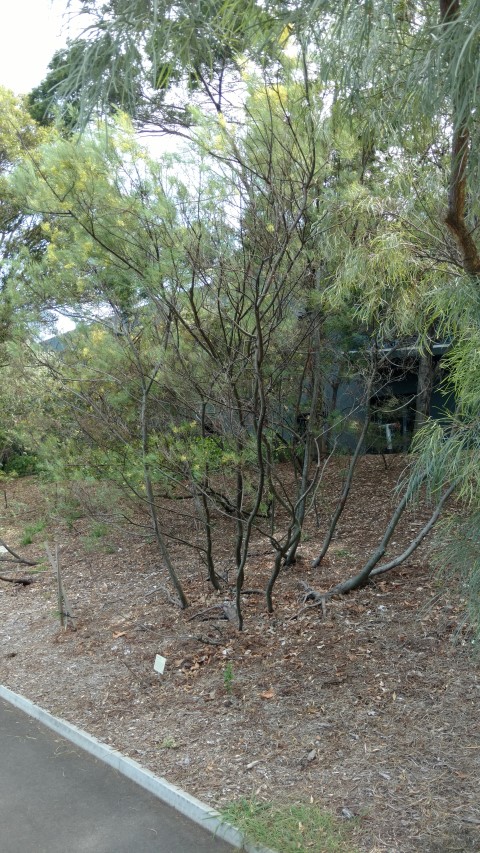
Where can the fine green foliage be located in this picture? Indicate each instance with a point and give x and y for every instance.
(169, 743)
(95, 538)
(457, 550)
(290, 829)
(228, 677)
(21, 463)
(99, 530)
(130, 55)
(31, 530)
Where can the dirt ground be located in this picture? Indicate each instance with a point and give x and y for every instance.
(370, 710)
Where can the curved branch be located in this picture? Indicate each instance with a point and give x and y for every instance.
(362, 577)
(18, 558)
(380, 570)
(22, 581)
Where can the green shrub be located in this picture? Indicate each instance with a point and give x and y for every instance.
(21, 464)
(31, 530)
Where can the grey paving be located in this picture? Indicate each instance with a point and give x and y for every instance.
(55, 798)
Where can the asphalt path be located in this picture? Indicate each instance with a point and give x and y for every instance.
(55, 798)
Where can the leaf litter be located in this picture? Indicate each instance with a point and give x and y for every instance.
(369, 710)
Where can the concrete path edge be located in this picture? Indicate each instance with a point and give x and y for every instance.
(184, 803)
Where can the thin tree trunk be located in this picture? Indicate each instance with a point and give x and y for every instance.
(160, 540)
(209, 550)
(311, 430)
(152, 505)
(460, 153)
(326, 441)
(261, 468)
(276, 571)
(203, 509)
(239, 513)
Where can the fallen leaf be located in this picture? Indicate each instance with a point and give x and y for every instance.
(268, 694)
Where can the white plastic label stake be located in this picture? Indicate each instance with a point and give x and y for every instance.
(159, 664)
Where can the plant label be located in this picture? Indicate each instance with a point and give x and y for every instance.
(159, 664)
